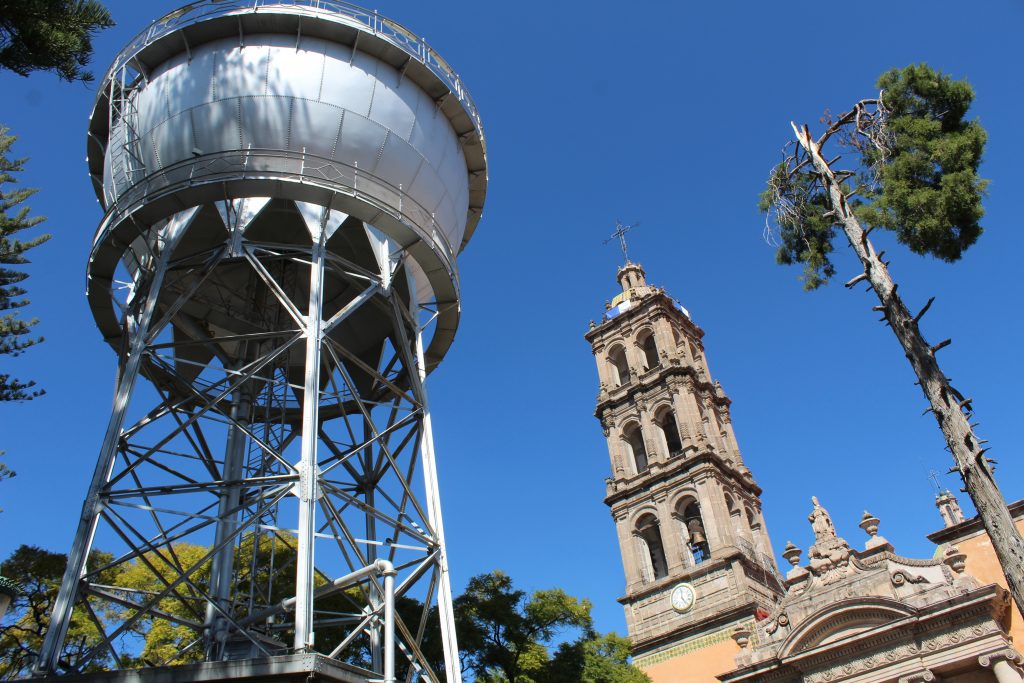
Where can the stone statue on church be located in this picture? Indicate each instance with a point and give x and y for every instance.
(829, 557)
(821, 522)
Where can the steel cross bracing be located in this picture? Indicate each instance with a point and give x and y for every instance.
(272, 452)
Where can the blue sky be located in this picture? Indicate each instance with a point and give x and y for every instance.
(670, 115)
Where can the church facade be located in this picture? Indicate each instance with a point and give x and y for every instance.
(704, 600)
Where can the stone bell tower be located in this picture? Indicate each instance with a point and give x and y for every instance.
(695, 549)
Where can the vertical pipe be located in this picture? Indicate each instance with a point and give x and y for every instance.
(389, 624)
(60, 617)
(449, 642)
(370, 488)
(227, 519)
(307, 465)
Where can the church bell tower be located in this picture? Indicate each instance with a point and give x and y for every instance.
(695, 548)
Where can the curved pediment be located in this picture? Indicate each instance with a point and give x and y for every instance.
(842, 620)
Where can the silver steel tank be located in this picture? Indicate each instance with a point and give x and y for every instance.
(286, 186)
(317, 102)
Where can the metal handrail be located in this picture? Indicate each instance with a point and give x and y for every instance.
(240, 164)
(334, 10)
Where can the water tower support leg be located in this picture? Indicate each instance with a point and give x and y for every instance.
(307, 486)
(449, 642)
(60, 617)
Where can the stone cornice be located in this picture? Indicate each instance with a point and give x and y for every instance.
(708, 463)
(743, 611)
(644, 304)
(657, 378)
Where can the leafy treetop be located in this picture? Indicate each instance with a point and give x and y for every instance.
(917, 175)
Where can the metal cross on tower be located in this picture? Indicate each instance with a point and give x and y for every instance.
(620, 234)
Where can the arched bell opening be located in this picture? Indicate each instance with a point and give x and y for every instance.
(633, 437)
(694, 532)
(648, 533)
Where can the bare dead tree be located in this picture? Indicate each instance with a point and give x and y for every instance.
(805, 175)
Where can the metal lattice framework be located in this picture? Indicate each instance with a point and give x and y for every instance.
(272, 488)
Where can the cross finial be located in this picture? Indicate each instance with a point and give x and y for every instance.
(620, 234)
(934, 476)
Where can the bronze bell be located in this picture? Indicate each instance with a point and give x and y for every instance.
(696, 529)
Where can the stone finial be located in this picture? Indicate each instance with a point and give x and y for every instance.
(954, 559)
(741, 634)
(792, 555)
(869, 523)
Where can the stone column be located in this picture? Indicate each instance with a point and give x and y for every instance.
(687, 430)
(714, 502)
(713, 515)
(627, 543)
(1005, 664)
(671, 539)
(615, 448)
(647, 433)
(663, 337)
(604, 372)
(692, 412)
(732, 444)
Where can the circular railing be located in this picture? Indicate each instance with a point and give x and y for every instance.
(333, 10)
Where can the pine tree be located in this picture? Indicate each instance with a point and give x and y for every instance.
(15, 332)
(50, 35)
(917, 176)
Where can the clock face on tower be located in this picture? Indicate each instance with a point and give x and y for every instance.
(683, 597)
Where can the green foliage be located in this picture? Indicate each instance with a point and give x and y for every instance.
(805, 233)
(39, 573)
(921, 182)
(930, 190)
(594, 659)
(505, 636)
(14, 331)
(50, 35)
(152, 573)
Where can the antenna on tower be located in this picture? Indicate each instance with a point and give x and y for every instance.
(620, 234)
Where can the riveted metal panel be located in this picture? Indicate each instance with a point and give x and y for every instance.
(361, 140)
(346, 85)
(173, 139)
(216, 126)
(399, 162)
(298, 73)
(240, 71)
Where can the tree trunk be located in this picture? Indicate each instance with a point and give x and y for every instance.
(947, 403)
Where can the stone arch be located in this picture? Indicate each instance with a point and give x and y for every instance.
(653, 561)
(665, 419)
(619, 364)
(841, 620)
(648, 346)
(633, 438)
(692, 528)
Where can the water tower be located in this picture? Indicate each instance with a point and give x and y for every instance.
(286, 186)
